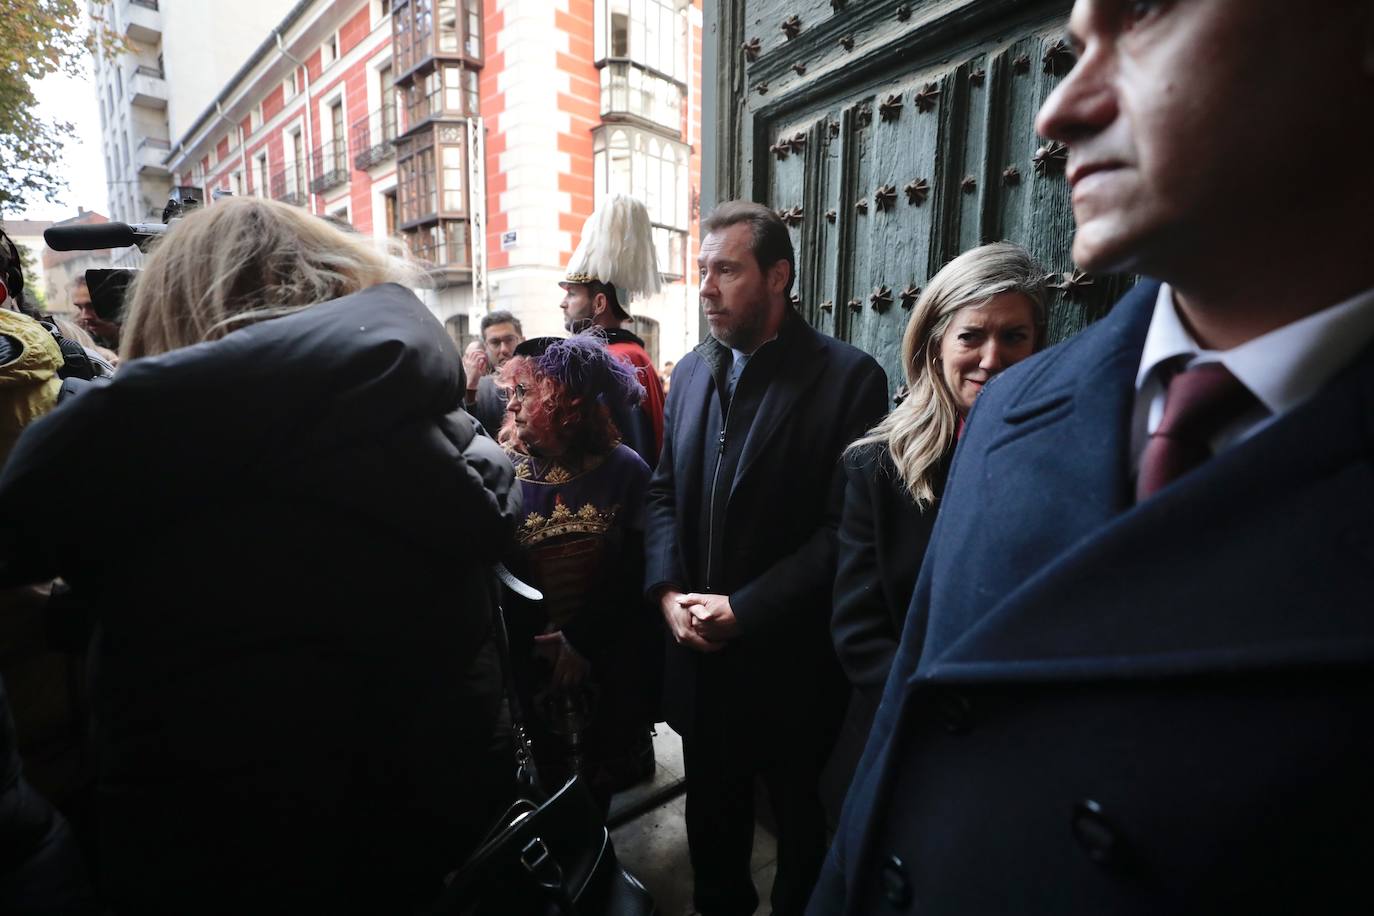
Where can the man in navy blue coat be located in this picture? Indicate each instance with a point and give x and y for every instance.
(1136, 675)
(740, 556)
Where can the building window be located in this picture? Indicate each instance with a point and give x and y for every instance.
(236, 184)
(459, 329)
(329, 51)
(390, 213)
(255, 118)
(641, 48)
(388, 87)
(338, 161)
(288, 87)
(423, 29)
(260, 175)
(629, 89)
(626, 160)
(402, 37)
(646, 329)
(441, 244)
(447, 91)
(416, 177)
(453, 177)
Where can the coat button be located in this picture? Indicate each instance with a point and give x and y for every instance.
(1095, 833)
(956, 711)
(896, 888)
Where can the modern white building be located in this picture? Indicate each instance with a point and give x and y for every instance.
(181, 52)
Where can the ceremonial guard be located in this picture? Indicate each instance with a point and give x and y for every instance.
(613, 265)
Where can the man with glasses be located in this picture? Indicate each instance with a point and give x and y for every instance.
(501, 334)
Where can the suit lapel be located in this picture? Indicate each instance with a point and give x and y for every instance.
(1263, 557)
(1074, 408)
(689, 413)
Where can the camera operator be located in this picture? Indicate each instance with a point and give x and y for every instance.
(294, 688)
(103, 333)
(36, 358)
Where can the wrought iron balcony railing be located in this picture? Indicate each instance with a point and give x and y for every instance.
(374, 138)
(288, 185)
(331, 165)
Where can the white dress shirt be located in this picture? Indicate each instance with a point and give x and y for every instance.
(1282, 368)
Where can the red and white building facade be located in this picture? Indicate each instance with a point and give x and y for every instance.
(481, 133)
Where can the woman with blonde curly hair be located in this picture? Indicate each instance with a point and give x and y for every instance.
(293, 686)
(983, 312)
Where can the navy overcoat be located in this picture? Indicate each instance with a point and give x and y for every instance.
(774, 542)
(1108, 707)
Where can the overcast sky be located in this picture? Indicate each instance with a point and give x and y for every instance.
(83, 167)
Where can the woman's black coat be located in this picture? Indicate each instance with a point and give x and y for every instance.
(293, 684)
(882, 539)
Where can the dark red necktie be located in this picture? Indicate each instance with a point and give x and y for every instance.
(1198, 404)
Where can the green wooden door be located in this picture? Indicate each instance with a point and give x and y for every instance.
(892, 136)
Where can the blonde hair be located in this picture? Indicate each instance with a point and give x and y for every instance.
(921, 430)
(245, 260)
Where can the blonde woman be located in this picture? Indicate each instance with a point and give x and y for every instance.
(983, 312)
(293, 681)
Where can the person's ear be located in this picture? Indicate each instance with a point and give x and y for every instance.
(779, 272)
(599, 305)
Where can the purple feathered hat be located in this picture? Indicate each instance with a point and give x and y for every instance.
(585, 367)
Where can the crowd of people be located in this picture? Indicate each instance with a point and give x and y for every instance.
(1073, 631)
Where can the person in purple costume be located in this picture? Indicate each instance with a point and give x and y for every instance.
(585, 658)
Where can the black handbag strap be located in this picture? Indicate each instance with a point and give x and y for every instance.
(526, 773)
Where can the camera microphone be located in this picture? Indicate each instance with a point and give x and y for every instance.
(91, 236)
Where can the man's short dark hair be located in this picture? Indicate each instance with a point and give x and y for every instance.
(596, 287)
(771, 241)
(500, 317)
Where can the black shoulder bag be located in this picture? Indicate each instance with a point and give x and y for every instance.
(547, 855)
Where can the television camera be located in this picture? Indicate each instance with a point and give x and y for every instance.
(108, 286)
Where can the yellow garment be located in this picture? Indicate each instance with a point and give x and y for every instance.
(28, 385)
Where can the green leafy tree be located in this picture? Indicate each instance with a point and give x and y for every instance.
(38, 38)
(34, 296)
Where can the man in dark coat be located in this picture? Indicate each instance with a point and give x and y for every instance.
(741, 554)
(1135, 676)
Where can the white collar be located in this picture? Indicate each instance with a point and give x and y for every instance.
(1282, 368)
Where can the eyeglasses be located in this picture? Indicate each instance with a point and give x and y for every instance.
(518, 393)
(509, 340)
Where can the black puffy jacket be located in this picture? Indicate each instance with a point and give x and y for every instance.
(293, 687)
(40, 869)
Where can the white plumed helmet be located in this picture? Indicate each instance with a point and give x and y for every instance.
(617, 248)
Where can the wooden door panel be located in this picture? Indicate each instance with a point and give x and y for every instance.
(938, 95)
